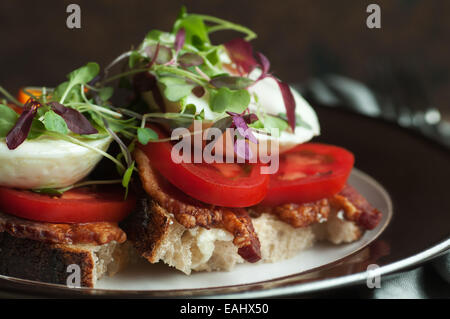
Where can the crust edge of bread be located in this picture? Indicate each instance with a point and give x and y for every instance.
(46, 262)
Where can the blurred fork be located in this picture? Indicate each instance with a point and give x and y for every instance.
(403, 90)
(396, 93)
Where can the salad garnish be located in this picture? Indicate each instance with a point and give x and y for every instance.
(74, 111)
(185, 61)
(172, 66)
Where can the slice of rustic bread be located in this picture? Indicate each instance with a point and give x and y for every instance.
(157, 236)
(47, 262)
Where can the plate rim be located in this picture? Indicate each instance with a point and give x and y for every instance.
(315, 286)
(356, 278)
(212, 292)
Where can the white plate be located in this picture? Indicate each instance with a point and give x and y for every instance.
(160, 277)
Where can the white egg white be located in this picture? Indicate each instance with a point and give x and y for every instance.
(48, 163)
(270, 101)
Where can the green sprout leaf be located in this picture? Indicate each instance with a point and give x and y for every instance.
(84, 74)
(133, 59)
(146, 135)
(229, 100)
(105, 93)
(231, 82)
(127, 178)
(196, 31)
(71, 95)
(190, 59)
(37, 129)
(176, 88)
(55, 123)
(273, 122)
(164, 53)
(190, 109)
(214, 56)
(153, 35)
(7, 120)
(200, 116)
(116, 125)
(81, 75)
(298, 121)
(257, 124)
(223, 123)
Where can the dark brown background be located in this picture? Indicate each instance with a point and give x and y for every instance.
(302, 38)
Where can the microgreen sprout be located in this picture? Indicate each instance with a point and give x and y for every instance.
(162, 72)
(177, 63)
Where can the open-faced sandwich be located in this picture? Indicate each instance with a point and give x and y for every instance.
(259, 195)
(219, 144)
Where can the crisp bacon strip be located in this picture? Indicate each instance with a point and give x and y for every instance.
(239, 223)
(187, 211)
(305, 214)
(191, 213)
(299, 215)
(356, 208)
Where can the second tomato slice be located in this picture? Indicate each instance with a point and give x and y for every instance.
(221, 184)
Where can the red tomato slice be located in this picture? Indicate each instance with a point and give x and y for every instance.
(227, 184)
(80, 205)
(309, 172)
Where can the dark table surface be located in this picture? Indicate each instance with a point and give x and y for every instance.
(429, 280)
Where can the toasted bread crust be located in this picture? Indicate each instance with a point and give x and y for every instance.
(147, 231)
(35, 260)
(84, 233)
